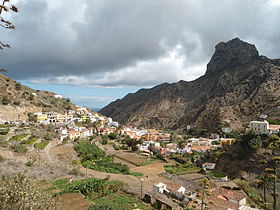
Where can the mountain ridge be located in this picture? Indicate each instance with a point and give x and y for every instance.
(236, 80)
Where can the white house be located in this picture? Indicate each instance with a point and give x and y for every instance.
(114, 124)
(58, 96)
(147, 144)
(259, 127)
(274, 129)
(85, 133)
(160, 188)
(209, 166)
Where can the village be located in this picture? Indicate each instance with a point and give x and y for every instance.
(181, 180)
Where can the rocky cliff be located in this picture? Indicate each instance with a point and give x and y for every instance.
(238, 86)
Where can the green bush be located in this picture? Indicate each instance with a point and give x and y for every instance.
(104, 141)
(112, 136)
(29, 164)
(4, 131)
(5, 100)
(19, 148)
(18, 86)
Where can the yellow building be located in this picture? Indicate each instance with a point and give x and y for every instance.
(61, 118)
(41, 118)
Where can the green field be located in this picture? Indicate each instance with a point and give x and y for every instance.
(6, 126)
(18, 137)
(217, 174)
(30, 140)
(41, 145)
(101, 193)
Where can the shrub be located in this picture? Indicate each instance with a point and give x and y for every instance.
(5, 100)
(29, 164)
(4, 131)
(17, 103)
(112, 136)
(19, 148)
(31, 97)
(104, 141)
(18, 192)
(18, 86)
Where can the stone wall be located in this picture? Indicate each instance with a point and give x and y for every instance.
(17, 113)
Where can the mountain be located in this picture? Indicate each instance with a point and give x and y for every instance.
(238, 86)
(17, 100)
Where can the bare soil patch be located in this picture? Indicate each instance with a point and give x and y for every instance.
(73, 201)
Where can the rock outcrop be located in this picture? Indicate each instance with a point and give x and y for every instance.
(238, 86)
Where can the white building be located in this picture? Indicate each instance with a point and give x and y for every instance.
(274, 129)
(147, 144)
(259, 127)
(209, 166)
(160, 188)
(58, 96)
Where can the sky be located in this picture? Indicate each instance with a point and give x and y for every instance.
(96, 51)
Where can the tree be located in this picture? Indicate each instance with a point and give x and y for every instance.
(6, 6)
(112, 136)
(264, 180)
(18, 192)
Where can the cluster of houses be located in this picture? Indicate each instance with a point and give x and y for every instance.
(226, 195)
(81, 114)
(192, 145)
(175, 191)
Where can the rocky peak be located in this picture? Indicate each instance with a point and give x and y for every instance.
(231, 54)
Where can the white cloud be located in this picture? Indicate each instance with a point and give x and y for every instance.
(169, 68)
(89, 101)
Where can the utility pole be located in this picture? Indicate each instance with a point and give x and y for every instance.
(142, 187)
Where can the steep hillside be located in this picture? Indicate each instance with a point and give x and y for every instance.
(17, 100)
(238, 86)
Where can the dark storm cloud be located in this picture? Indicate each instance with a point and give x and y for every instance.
(67, 37)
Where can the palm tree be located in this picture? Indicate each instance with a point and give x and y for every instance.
(275, 148)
